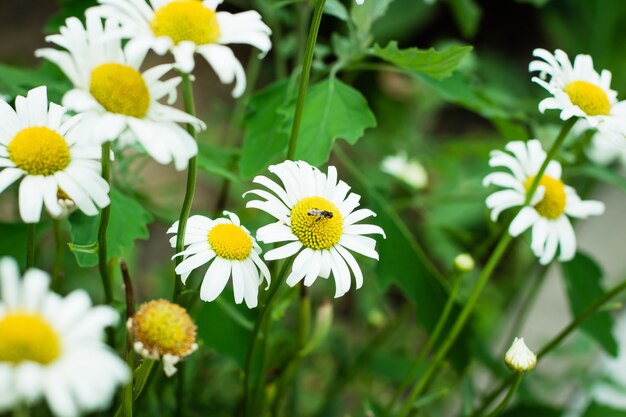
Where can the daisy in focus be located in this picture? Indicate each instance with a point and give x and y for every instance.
(52, 347)
(47, 152)
(187, 27)
(407, 170)
(163, 331)
(578, 90)
(117, 101)
(232, 252)
(550, 206)
(316, 215)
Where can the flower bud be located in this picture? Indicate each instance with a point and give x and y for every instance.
(464, 262)
(519, 358)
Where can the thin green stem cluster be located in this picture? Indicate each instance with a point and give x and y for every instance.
(102, 228)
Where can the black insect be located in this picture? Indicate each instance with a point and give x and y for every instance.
(321, 214)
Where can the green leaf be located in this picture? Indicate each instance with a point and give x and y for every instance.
(582, 281)
(536, 3)
(16, 81)
(218, 329)
(267, 130)
(597, 410)
(335, 8)
(467, 15)
(128, 222)
(435, 64)
(366, 14)
(216, 160)
(332, 110)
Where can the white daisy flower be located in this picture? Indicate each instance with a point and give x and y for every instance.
(186, 27)
(408, 170)
(52, 347)
(230, 249)
(38, 144)
(163, 331)
(317, 216)
(519, 358)
(549, 207)
(359, 2)
(117, 100)
(601, 149)
(579, 91)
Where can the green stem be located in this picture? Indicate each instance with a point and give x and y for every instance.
(190, 191)
(484, 276)
(30, 245)
(59, 244)
(127, 393)
(509, 396)
(102, 228)
(21, 410)
(306, 73)
(552, 344)
(434, 337)
(248, 395)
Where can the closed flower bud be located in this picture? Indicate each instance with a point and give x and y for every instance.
(464, 262)
(519, 358)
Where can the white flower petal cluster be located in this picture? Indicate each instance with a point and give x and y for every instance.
(231, 251)
(408, 170)
(550, 207)
(185, 28)
(578, 90)
(43, 148)
(317, 218)
(52, 347)
(115, 99)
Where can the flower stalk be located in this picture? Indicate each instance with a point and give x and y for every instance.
(102, 228)
(190, 190)
(30, 245)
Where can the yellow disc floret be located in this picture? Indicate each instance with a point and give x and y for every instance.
(28, 337)
(186, 20)
(589, 97)
(163, 327)
(230, 242)
(39, 151)
(316, 222)
(120, 89)
(553, 203)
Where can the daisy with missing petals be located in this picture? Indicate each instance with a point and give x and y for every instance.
(36, 143)
(163, 330)
(550, 205)
(116, 99)
(316, 214)
(579, 91)
(186, 27)
(51, 347)
(230, 249)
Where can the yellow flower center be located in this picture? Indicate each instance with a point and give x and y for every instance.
(39, 151)
(186, 20)
(164, 327)
(230, 242)
(120, 89)
(316, 222)
(553, 203)
(28, 337)
(589, 97)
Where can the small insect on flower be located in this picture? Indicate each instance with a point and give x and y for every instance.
(321, 214)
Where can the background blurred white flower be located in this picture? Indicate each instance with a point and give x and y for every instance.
(411, 171)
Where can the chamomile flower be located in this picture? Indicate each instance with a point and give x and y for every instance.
(163, 331)
(316, 215)
(579, 91)
(46, 151)
(118, 101)
(359, 2)
(550, 206)
(230, 249)
(52, 347)
(187, 27)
